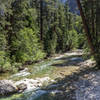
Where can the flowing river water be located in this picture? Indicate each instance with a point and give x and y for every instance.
(58, 69)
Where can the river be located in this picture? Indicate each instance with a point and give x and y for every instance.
(56, 68)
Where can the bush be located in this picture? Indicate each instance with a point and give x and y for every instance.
(81, 41)
(4, 62)
(72, 39)
(4, 55)
(27, 47)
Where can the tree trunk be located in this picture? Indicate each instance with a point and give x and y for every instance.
(90, 42)
(41, 19)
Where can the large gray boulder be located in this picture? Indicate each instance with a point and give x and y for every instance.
(7, 87)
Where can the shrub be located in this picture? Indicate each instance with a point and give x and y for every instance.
(4, 62)
(27, 46)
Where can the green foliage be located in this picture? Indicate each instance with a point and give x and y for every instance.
(3, 42)
(20, 31)
(65, 34)
(4, 56)
(26, 46)
(72, 39)
(50, 42)
(92, 17)
(4, 62)
(82, 41)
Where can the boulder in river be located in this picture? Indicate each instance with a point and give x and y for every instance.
(27, 85)
(7, 87)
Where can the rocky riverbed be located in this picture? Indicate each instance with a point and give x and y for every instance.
(88, 87)
(74, 78)
(26, 85)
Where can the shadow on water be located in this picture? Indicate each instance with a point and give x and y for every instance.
(63, 88)
(69, 61)
(67, 58)
(66, 87)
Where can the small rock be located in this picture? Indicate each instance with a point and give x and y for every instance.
(55, 92)
(42, 80)
(25, 70)
(21, 87)
(86, 76)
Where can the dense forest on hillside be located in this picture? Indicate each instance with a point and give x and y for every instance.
(31, 30)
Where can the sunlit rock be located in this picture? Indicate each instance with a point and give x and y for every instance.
(7, 87)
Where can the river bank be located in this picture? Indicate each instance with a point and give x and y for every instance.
(54, 78)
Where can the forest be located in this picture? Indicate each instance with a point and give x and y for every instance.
(45, 44)
(32, 30)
